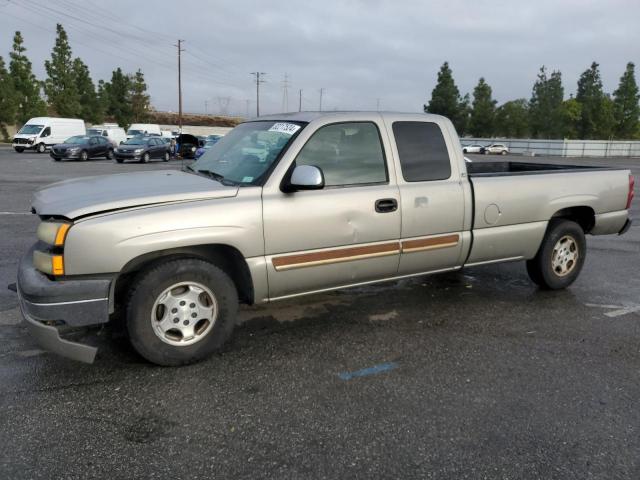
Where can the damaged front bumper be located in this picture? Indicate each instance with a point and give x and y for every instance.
(53, 308)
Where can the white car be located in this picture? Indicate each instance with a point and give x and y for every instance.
(136, 129)
(475, 148)
(495, 148)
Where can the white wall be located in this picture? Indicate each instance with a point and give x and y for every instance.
(564, 148)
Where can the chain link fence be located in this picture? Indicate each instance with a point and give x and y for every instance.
(563, 148)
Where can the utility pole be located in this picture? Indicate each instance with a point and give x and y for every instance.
(180, 50)
(258, 82)
(300, 100)
(321, 92)
(285, 93)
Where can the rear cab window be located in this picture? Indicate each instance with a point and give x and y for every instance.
(422, 151)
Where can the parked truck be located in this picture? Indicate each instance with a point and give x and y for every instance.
(292, 205)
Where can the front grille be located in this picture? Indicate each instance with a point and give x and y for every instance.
(21, 141)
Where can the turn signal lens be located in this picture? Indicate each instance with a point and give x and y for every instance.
(57, 265)
(62, 234)
(632, 182)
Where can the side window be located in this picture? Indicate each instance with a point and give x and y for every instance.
(347, 153)
(422, 151)
(93, 141)
(103, 140)
(46, 132)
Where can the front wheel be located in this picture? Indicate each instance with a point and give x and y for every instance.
(145, 158)
(18, 149)
(464, 150)
(84, 156)
(166, 157)
(119, 160)
(486, 152)
(503, 152)
(181, 311)
(41, 148)
(561, 256)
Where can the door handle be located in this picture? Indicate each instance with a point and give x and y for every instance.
(385, 205)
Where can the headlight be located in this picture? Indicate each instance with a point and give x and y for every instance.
(116, 150)
(73, 149)
(193, 149)
(138, 150)
(31, 140)
(53, 233)
(47, 263)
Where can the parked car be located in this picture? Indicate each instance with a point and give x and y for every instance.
(115, 134)
(41, 133)
(82, 147)
(137, 129)
(187, 144)
(143, 149)
(495, 148)
(207, 145)
(290, 205)
(475, 148)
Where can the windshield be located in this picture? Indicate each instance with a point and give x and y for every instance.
(77, 139)
(245, 154)
(31, 129)
(135, 132)
(135, 141)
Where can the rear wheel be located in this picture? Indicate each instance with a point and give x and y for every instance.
(109, 154)
(486, 152)
(41, 148)
(119, 160)
(561, 256)
(464, 150)
(181, 311)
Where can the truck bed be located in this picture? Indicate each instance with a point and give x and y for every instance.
(500, 169)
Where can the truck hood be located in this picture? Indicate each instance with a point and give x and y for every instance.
(89, 195)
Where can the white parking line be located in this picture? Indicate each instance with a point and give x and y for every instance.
(617, 310)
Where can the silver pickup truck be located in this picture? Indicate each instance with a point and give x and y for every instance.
(291, 205)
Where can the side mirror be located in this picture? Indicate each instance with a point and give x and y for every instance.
(305, 177)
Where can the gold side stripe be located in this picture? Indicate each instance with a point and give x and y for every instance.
(329, 261)
(431, 247)
(430, 243)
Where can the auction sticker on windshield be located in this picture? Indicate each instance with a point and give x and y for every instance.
(288, 128)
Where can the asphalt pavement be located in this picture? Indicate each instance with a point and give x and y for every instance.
(476, 374)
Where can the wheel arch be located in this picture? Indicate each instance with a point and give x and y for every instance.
(583, 215)
(226, 257)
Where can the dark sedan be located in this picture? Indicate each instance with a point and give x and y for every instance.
(82, 147)
(143, 149)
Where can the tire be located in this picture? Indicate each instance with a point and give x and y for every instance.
(503, 152)
(145, 158)
(84, 156)
(109, 154)
(148, 299)
(166, 157)
(560, 257)
(41, 148)
(119, 160)
(464, 150)
(486, 152)
(56, 159)
(18, 149)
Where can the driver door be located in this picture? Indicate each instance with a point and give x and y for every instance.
(339, 235)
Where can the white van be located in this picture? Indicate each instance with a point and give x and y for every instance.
(42, 132)
(143, 129)
(113, 132)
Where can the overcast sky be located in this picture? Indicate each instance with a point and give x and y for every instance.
(357, 51)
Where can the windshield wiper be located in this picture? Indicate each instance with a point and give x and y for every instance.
(214, 175)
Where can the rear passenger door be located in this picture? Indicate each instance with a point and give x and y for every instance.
(432, 196)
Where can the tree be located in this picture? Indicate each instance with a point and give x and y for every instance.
(8, 100)
(545, 106)
(512, 119)
(140, 100)
(482, 110)
(592, 100)
(446, 100)
(117, 95)
(571, 114)
(90, 106)
(60, 85)
(626, 106)
(27, 88)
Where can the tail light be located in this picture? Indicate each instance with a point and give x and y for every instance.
(632, 182)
